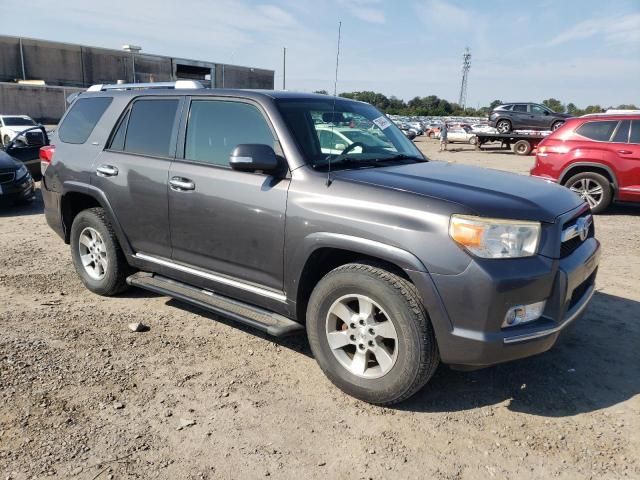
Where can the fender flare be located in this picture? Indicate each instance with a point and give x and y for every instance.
(100, 197)
(407, 261)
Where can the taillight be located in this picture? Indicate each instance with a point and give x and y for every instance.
(46, 157)
(46, 153)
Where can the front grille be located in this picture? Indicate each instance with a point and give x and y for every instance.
(7, 177)
(580, 290)
(35, 139)
(571, 245)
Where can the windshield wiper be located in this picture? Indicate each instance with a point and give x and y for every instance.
(403, 156)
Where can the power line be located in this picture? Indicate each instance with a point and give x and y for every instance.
(466, 66)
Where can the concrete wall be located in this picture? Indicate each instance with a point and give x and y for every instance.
(43, 104)
(232, 76)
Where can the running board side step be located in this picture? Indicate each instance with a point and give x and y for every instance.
(264, 320)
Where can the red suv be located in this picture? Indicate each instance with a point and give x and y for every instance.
(596, 156)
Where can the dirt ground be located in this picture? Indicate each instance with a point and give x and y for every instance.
(197, 397)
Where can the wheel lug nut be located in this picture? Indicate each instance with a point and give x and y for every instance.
(361, 322)
(372, 331)
(361, 346)
(353, 325)
(352, 338)
(371, 344)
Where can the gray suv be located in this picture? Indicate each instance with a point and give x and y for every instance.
(525, 116)
(288, 211)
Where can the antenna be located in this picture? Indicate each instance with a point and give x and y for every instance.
(466, 66)
(284, 68)
(335, 93)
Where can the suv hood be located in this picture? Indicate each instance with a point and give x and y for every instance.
(489, 193)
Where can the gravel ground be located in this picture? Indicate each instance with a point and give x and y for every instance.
(197, 397)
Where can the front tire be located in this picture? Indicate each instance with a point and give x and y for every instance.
(556, 125)
(594, 188)
(370, 334)
(96, 253)
(503, 126)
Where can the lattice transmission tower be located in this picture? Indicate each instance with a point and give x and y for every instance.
(466, 66)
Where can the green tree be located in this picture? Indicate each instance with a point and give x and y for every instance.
(554, 104)
(322, 92)
(494, 104)
(593, 109)
(573, 110)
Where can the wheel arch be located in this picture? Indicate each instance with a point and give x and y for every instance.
(581, 167)
(77, 197)
(322, 252)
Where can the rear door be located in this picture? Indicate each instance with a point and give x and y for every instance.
(227, 223)
(629, 158)
(521, 119)
(133, 170)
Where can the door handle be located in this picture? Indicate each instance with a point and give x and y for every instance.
(180, 184)
(625, 152)
(106, 171)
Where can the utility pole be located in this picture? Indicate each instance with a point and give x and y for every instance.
(466, 66)
(284, 68)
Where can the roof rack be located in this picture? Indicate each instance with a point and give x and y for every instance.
(177, 85)
(613, 111)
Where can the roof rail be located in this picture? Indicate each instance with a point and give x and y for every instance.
(177, 85)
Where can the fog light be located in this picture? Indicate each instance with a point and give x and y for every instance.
(523, 314)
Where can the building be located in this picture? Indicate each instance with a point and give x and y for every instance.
(36, 76)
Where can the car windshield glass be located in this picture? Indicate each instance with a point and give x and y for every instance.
(18, 122)
(351, 130)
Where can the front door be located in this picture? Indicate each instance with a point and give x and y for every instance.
(628, 159)
(222, 220)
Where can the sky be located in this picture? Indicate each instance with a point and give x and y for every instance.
(580, 51)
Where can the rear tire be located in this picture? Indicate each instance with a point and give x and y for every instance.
(522, 147)
(409, 360)
(473, 140)
(594, 188)
(96, 253)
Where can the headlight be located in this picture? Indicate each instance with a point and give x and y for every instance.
(21, 172)
(495, 238)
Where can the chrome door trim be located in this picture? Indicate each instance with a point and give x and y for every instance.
(216, 278)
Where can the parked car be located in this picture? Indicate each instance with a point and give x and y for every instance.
(596, 156)
(28, 152)
(225, 199)
(525, 116)
(12, 127)
(460, 135)
(483, 128)
(16, 184)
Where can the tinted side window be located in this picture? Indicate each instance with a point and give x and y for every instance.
(151, 127)
(82, 119)
(635, 132)
(537, 109)
(505, 107)
(622, 133)
(600, 131)
(520, 108)
(216, 127)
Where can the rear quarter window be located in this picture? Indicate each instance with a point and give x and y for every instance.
(82, 119)
(600, 131)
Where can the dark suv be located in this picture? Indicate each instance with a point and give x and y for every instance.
(231, 200)
(525, 116)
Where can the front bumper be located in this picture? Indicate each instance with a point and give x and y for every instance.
(17, 191)
(473, 304)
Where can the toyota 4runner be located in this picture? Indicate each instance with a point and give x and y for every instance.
(286, 211)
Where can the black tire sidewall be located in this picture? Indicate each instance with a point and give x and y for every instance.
(527, 147)
(402, 376)
(607, 194)
(111, 283)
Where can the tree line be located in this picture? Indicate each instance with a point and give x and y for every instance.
(435, 106)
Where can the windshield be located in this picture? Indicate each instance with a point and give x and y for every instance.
(351, 135)
(18, 122)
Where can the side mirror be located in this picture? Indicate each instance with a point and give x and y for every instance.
(250, 157)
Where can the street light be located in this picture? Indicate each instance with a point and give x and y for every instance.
(132, 49)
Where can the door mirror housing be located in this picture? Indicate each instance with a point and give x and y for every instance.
(249, 157)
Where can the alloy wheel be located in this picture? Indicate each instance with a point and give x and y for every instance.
(93, 253)
(503, 126)
(361, 336)
(589, 190)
